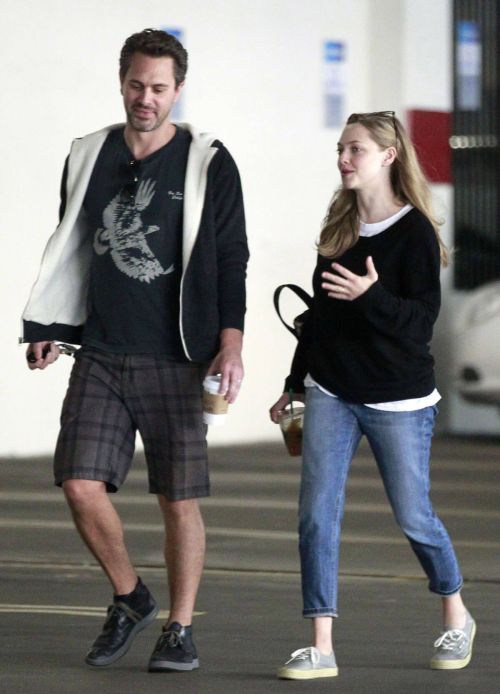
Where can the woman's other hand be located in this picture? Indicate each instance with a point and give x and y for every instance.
(280, 405)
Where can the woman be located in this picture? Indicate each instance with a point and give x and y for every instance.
(364, 359)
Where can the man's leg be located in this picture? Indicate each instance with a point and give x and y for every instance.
(96, 442)
(101, 529)
(167, 407)
(133, 607)
(184, 555)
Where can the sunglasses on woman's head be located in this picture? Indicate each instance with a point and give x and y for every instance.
(389, 115)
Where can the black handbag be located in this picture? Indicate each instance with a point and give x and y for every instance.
(298, 321)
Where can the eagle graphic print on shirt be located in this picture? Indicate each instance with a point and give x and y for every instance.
(135, 231)
(124, 235)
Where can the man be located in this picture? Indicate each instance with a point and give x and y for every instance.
(146, 271)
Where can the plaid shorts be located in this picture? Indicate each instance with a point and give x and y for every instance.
(109, 398)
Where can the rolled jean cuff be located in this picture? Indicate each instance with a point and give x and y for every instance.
(319, 612)
(447, 593)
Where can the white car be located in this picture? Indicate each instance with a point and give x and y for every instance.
(477, 346)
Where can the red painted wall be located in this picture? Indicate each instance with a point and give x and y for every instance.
(430, 132)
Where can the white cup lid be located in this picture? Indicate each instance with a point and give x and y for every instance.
(212, 383)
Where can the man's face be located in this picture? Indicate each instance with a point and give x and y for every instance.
(149, 92)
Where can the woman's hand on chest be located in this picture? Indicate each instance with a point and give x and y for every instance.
(346, 285)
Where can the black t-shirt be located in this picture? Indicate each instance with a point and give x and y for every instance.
(135, 212)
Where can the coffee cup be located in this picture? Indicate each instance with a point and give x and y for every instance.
(214, 404)
(291, 422)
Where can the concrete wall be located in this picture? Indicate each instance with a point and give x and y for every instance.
(255, 79)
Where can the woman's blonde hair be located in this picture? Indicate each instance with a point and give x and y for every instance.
(340, 229)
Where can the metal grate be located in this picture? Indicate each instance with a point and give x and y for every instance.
(475, 142)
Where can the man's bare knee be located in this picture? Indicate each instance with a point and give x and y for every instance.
(179, 510)
(80, 492)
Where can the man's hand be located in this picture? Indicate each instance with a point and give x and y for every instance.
(228, 363)
(346, 285)
(40, 354)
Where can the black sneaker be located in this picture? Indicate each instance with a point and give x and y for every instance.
(120, 628)
(174, 650)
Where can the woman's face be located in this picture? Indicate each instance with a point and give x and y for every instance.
(361, 162)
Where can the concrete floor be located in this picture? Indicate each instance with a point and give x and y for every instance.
(52, 596)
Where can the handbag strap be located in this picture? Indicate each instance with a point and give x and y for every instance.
(301, 293)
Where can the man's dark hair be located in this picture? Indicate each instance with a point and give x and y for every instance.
(157, 44)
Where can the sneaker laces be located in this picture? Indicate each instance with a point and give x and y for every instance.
(118, 608)
(304, 654)
(451, 640)
(171, 638)
(113, 611)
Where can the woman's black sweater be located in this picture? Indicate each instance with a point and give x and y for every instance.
(376, 348)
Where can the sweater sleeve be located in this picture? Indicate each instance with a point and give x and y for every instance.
(37, 332)
(300, 361)
(231, 240)
(62, 189)
(414, 312)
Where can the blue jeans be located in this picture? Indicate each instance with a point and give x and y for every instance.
(400, 442)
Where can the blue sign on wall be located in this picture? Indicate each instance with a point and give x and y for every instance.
(177, 112)
(468, 62)
(334, 83)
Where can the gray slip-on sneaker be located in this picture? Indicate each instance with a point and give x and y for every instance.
(453, 649)
(308, 664)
